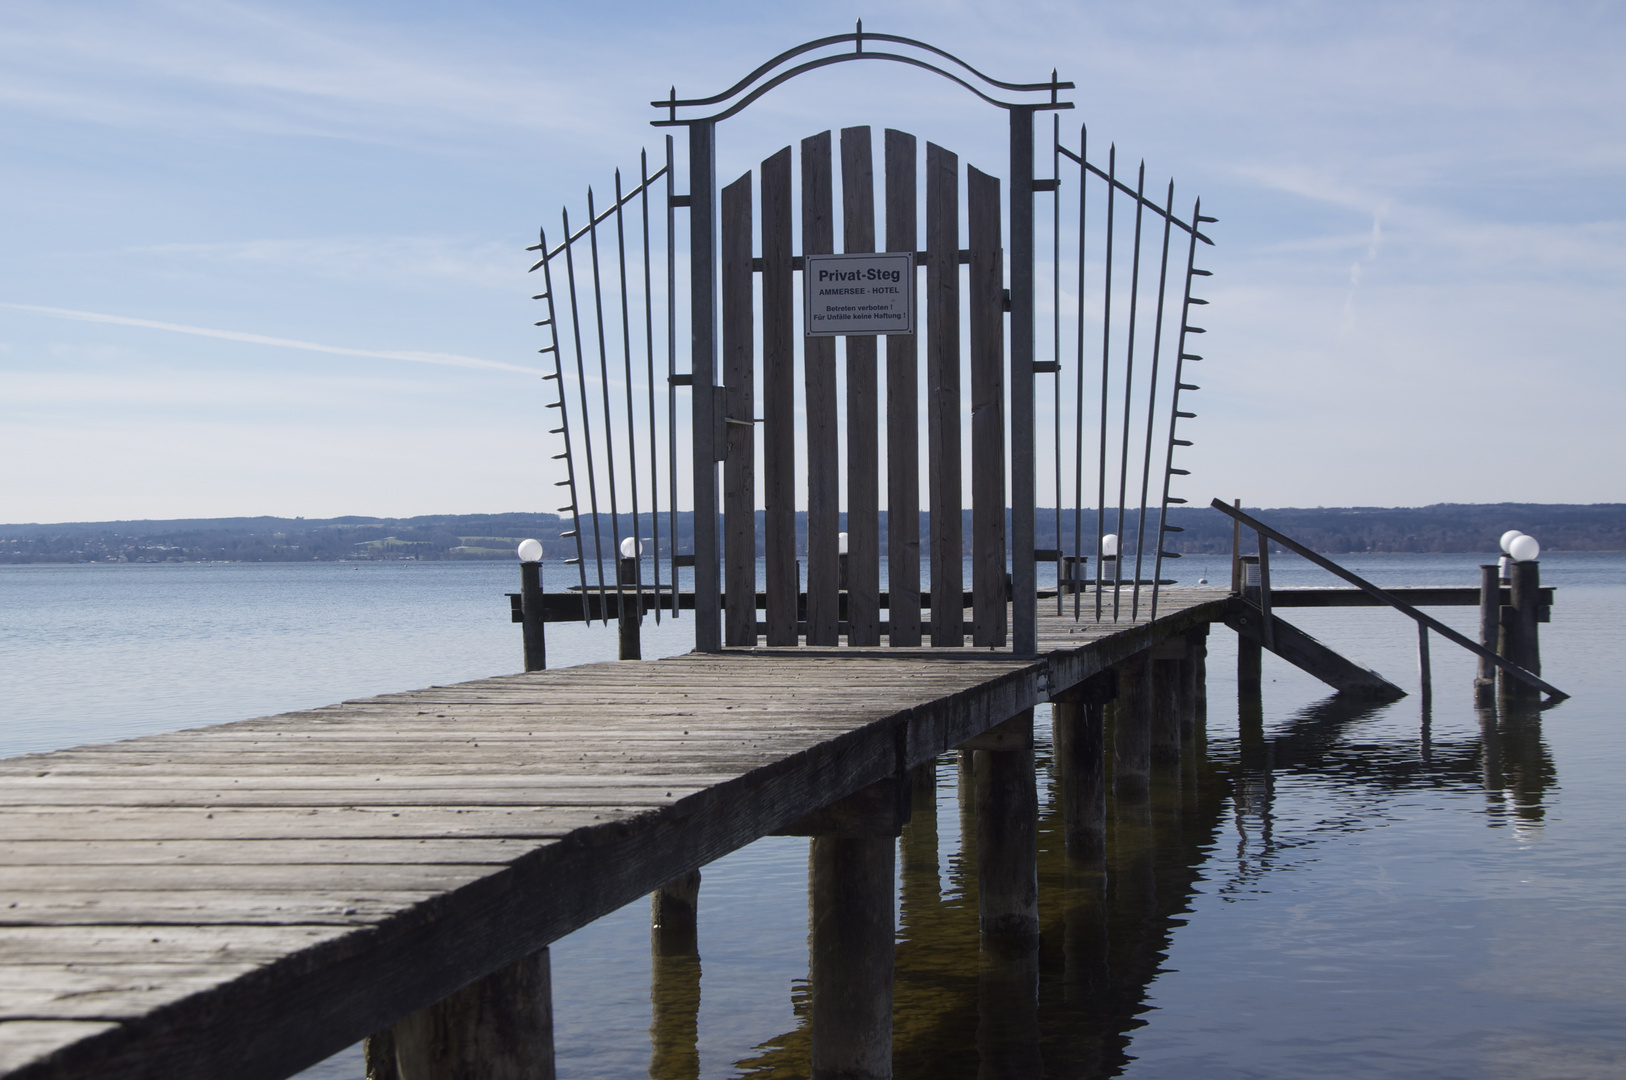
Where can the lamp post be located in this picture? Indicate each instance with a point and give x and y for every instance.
(630, 600)
(1520, 641)
(530, 599)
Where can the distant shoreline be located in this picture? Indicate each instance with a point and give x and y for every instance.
(1443, 528)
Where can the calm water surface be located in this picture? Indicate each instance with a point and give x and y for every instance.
(1356, 892)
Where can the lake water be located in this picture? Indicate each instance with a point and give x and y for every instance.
(1335, 891)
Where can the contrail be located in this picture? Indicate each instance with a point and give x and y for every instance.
(448, 359)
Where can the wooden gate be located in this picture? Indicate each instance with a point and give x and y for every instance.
(843, 596)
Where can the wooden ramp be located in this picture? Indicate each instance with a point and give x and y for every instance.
(247, 899)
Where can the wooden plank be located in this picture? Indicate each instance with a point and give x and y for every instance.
(23, 1042)
(739, 431)
(363, 822)
(779, 401)
(819, 372)
(1309, 655)
(985, 298)
(943, 391)
(1424, 596)
(863, 449)
(902, 413)
(99, 851)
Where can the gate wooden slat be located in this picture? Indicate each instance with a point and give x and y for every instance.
(902, 418)
(863, 451)
(823, 478)
(943, 391)
(739, 461)
(779, 400)
(986, 302)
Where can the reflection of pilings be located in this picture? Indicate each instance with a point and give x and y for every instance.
(1253, 784)
(674, 991)
(1008, 1015)
(1517, 767)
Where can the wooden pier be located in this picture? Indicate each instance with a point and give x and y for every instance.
(248, 899)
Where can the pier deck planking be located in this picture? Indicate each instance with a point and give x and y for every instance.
(248, 898)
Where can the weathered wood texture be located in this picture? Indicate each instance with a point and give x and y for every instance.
(1305, 652)
(863, 434)
(986, 299)
(850, 898)
(943, 390)
(779, 401)
(902, 411)
(739, 432)
(819, 372)
(248, 899)
(499, 1027)
(1007, 840)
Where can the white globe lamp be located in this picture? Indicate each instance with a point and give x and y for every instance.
(1109, 546)
(1524, 549)
(530, 551)
(1508, 538)
(631, 548)
(841, 543)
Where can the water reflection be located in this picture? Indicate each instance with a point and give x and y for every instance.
(1072, 1007)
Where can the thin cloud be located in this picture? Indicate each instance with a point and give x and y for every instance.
(445, 359)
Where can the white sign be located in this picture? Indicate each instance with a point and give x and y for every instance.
(859, 294)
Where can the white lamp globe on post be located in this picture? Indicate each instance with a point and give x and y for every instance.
(1508, 538)
(1524, 549)
(1109, 546)
(530, 551)
(631, 548)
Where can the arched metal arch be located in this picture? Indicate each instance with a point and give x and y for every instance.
(857, 37)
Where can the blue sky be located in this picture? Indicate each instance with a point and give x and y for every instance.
(1417, 295)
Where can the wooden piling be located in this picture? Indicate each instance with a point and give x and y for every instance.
(674, 985)
(1078, 725)
(1519, 639)
(1490, 614)
(1169, 694)
(530, 599)
(630, 618)
(1007, 801)
(496, 1028)
(1132, 730)
(851, 881)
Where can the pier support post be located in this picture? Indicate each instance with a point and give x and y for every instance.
(530, 601)
(631, 615)
(1490, 620)
(1007, 801)
(496, 1028)
(1132, 730)
(852, 865)
(1170, 695)
(674, 992)
(1520, 642)
(1078, 725)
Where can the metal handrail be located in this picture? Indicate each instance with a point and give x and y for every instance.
(1524, 676)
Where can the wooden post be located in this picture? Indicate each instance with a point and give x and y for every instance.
(631, 614)
(863, 569)
(738, 420)
(1249, 655)
(496, 1028)
(942, 304)
(1520, 642)
(1132, 731)
(819, 375)
(1236, 551)
(1078, 721)
(852, 864)
(530, 598)
(779, 402)
(674, 989)
(1490, 615)
(902, 411)
(708, 615)
(1169, 700)
(1424, 667)
(1008, 835)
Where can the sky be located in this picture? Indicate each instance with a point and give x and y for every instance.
(268, 258)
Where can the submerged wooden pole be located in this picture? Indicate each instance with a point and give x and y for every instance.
(852, 865)
(1007, 800)
(1132, 730)
(1078, 725)
(496, 1028)
(1490, 616)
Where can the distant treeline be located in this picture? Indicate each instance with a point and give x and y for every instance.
(1442, 527)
